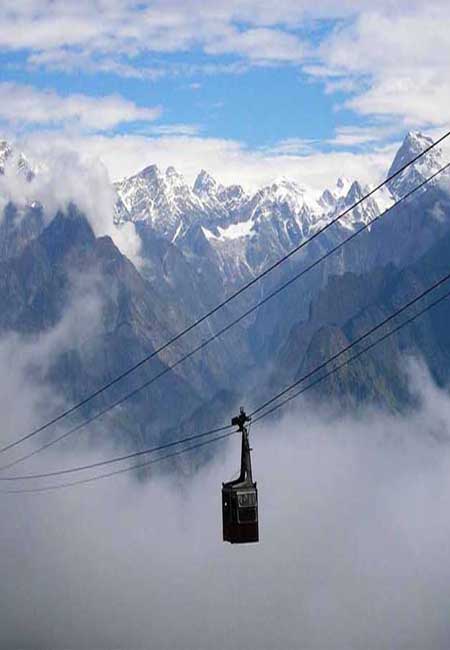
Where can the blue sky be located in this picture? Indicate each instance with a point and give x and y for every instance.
(247, 88)
(259, 105)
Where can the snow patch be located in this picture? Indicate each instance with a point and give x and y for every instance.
(180, 225)
(233, 231)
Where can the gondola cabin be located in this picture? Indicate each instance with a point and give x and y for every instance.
(240, 497)
(240, 514)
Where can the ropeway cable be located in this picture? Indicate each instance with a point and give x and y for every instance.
(227, 435)
(123, 470)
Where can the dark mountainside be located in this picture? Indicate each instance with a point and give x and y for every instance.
(192, 260)
(36, 290)
(351, 305)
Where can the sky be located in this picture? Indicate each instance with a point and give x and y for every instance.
(248, 90)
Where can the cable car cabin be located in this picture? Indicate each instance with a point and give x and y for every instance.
(240, 513)
(240, 497)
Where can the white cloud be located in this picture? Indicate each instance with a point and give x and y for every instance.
(376, 41)
(393, 62)
(294, 146)
(43, 26)
(257, 29)
(174, 129)
(260, 44)
(26, 361)
(20, 104)
(229, 160)
(66, 176)
(354, 527)
(416, 98)
(66, 60)
(122, 28)
(349, 136)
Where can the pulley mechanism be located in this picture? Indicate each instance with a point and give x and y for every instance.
(240, 497)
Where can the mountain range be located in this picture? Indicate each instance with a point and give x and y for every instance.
(200, 243)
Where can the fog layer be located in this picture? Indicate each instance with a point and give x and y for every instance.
(354, 526)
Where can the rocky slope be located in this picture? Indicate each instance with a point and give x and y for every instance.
(350, 305)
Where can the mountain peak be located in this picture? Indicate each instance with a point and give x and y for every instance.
(172, 173)
(205, 184)
(343, 184)
(204, 176)
(413, 145)
(69, 229)
(417, 141)
(152, 172)
(297, 195)
(160, 199)
(284, 181)
(355, 192)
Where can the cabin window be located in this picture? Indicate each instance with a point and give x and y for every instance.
(247, 515)
(247, 499)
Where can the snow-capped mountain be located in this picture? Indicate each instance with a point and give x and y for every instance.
(202, 241)
(224, 232)
(242, 232)
(413, 144)
(165, 203)
(330, 198)
(162, 200)
(267, 225)
(217, 198)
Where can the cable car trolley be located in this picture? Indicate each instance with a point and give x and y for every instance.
(240, 497)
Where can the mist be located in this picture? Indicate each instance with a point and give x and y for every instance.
(354, 529)
(63, 177)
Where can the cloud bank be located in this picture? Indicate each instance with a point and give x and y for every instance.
(228, 160)
(64, 177)
(23, 104)
(354, 529)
